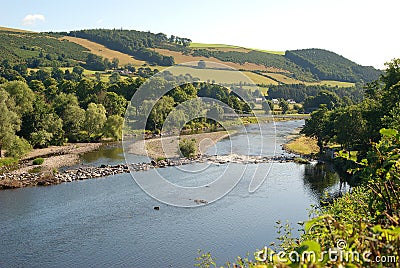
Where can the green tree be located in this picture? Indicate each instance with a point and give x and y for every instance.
(114, 104)
(73, 118)
(330, 99)
(22, 95)
(95, 117)
(159, 113)
(78, 70)
(317, 126)
(115, 63)
(216, 112)
(18, 147)
(267, 106)
(85, 92)
(37, 86)
(9, 121)
(62, 101)
(350, 127)
(113, 127)
(49, 131)
(114, 78)
(188, 148)
(284, 105)
(95, 63)
(98, 76)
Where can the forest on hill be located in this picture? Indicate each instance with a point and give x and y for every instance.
(39, 49)
(49, 49)
(327, 65)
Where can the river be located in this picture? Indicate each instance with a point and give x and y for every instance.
(111, 221)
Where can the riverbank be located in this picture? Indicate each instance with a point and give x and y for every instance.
(54, 157)
(168, 147)
(302, 145)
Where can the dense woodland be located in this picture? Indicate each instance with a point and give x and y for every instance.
(326, 65)
(299, 92)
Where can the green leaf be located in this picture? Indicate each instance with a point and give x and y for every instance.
(388, 132)
(311, 246)
(309, 224)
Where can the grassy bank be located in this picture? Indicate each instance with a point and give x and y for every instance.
(302, 145)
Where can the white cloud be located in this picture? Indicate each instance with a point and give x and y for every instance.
(32, 19)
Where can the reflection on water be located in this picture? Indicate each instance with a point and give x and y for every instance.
(321, 178)
(109, 154)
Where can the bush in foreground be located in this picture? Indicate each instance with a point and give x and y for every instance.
(188, 148)
(38, 161)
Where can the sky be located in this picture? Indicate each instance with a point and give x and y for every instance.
(364, 31)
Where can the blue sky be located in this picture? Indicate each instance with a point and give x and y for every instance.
(363, 31)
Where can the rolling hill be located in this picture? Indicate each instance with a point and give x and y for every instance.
(38, 49)
(305, 65)
(145, 48)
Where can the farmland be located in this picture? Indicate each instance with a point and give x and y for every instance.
(223, 47)
(105, 52)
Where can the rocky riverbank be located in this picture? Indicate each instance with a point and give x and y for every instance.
(25, 179)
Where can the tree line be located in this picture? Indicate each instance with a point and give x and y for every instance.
(135, 43)
(356, 126)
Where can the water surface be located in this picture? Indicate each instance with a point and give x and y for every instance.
(111, 221)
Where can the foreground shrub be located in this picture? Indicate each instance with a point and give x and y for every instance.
(38, 161)
(188, 148)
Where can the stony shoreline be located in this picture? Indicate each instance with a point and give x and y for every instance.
(13, 180)
(55, 157)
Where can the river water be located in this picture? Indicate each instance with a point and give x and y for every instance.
(111, 221)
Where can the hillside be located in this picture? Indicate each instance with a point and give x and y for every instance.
(306, 65)
(131, 42)
(6, 29)
(327, 65)
(138, 48)
(39, 49)
(104, 52)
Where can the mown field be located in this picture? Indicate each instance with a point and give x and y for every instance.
(282, 78)
(6, 29)
(181, 58)
(105, 52)
(222, 76)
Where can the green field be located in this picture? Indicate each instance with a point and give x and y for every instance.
(203, 45)
(223, 46)
(222, 76)
(336, 83)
